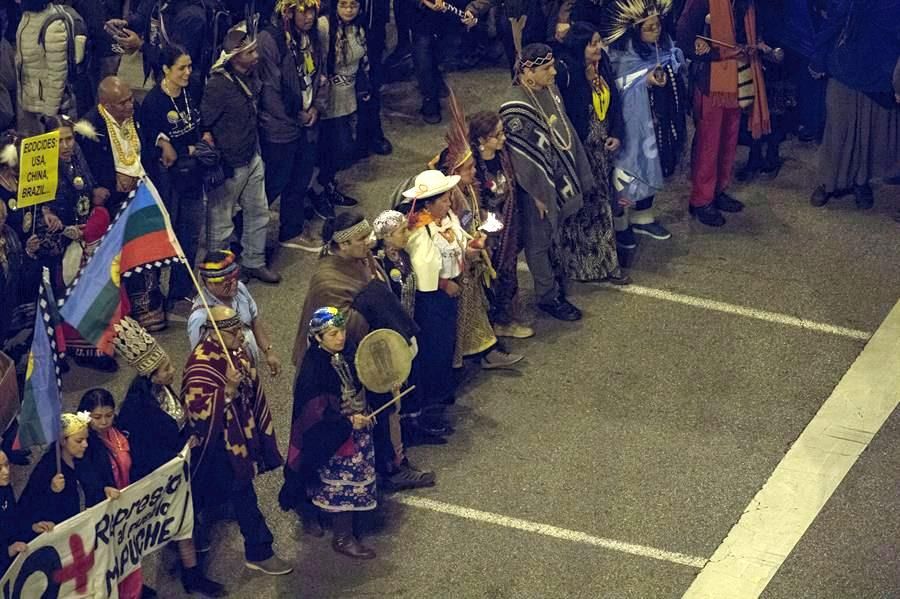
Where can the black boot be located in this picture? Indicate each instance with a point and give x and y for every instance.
(344, 541)
(193, 580)
(754, 163)
(772, 165)
(309, 516)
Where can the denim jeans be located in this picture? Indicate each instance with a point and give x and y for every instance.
(247, 189)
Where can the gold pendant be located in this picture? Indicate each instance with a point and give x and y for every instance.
(78, 183)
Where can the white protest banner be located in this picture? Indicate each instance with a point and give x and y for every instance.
(88, 555)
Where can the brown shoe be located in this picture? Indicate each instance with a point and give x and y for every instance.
(349, 546)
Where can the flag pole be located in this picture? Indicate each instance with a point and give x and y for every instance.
(205, 306)
(180, 252)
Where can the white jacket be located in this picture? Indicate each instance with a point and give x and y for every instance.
(41, 73)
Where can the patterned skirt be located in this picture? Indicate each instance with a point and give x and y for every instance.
(348, 482)
(474, 333)
(584, 248)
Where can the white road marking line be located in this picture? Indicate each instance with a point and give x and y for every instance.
(551, 531)
(812, 469)
(708, 304)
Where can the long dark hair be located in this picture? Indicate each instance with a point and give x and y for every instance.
(334, 24)
(643, 49)
(481, 124)
(578, 38)
(169, 55)
(96, 398)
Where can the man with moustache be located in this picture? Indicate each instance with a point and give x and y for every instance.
(228, 114)
(113, 153)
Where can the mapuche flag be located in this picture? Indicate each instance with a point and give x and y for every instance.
(42, 399)
(140, 237)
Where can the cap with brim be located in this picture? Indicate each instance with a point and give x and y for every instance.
(237, 41)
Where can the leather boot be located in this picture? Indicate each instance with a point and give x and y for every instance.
(344, 541)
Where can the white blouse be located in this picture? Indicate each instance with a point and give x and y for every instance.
(433, 257)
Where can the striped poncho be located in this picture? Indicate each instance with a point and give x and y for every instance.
(245, 421)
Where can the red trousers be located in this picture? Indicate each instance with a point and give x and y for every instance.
(714, 149)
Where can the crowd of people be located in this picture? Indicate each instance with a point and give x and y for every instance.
(265, 103)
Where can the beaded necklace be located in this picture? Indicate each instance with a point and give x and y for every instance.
(127, 130)
(556, 138)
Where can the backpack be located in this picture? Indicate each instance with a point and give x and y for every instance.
(75, 28)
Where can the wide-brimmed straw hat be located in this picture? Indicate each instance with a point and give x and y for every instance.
(429, 184)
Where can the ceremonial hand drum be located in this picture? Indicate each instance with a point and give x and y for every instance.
(383, 360)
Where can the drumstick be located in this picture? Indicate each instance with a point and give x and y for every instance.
(717, 42)
(392, 402)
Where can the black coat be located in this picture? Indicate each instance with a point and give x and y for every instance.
(39, 503)
(10, 525)
(153, 435)
(99, 156)
(576, 92)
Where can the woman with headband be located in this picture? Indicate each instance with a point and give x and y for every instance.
(331, 460)
(57, 494)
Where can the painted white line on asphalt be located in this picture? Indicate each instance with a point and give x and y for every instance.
(804, 480)
(708, 304)
(550, 531)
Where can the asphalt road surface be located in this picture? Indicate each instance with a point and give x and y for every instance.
(615, 461)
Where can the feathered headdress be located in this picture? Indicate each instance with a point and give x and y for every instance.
(9, 149)
(458, 148)
(625, 14)
(86, 129)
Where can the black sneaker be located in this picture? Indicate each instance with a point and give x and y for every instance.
(819, 197)
(337, 198)
(654, 230)
(561, 309)
(382, 146)
(726, 203)
(431, 111)
(709, 215)
(864, 197)
(321, 206)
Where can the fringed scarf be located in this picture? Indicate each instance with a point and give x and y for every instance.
(723, 74)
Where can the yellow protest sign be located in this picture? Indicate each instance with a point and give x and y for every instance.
(38, 169)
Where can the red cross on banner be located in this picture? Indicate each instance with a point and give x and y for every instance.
(79, 568)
